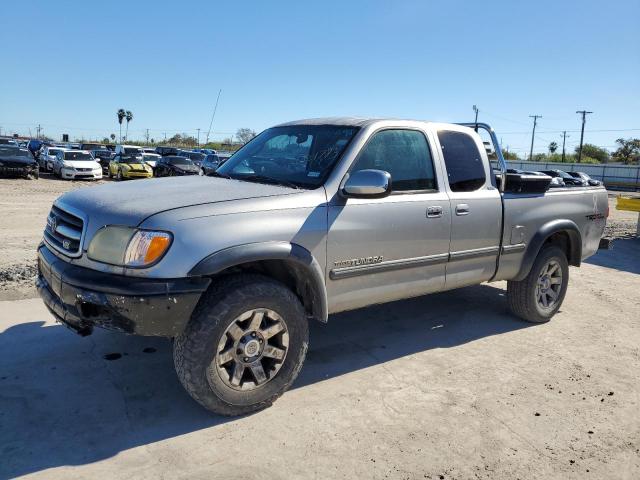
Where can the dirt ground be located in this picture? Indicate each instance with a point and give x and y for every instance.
(447, 386)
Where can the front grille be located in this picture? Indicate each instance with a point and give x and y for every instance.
(83, 169)
(64, 231)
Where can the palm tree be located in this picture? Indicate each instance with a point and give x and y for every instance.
(129, 117)
(121, 115)
(553, 146)
(113, 136)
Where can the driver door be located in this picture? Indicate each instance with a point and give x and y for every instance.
(384, 249)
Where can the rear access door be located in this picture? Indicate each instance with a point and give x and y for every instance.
(476, 208)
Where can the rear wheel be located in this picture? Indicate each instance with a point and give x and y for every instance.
(539, 296)
(244, 346)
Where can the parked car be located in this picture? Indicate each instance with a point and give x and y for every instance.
(149, 150)
(72, 164)
(210, 164)
(167, 151)
(206, 151)
(129, 166)
(17, 162)
(566, 178)
(175, 166)
(332, 215)
(128, 150)
(100, 152)
(151, 159)
(8, 141)
(34, 146)
(196, 157)
(47, 157)
(583, 176)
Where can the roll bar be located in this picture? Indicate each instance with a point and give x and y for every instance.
(496, 147)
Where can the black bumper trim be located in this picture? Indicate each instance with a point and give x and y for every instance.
(82, 298)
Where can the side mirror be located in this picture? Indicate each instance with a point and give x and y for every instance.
(366, 184)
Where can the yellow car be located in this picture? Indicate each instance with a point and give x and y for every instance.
(122, 167)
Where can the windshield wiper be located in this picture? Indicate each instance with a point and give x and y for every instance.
(267, 179)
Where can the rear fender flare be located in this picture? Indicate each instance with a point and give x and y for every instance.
(541, 236)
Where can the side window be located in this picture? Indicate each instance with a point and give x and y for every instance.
(465, 169)
(404, 154)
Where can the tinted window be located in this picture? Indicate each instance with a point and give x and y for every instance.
(465, 169)
(404, 154)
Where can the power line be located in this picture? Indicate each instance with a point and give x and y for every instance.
(533, 133)
(584, 119)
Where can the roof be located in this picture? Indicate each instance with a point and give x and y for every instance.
(343, 121)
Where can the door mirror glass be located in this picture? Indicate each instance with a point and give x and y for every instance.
(366, 184)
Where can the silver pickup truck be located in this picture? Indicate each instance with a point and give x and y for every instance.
(307, 219)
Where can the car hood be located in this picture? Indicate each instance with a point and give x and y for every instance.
(130, 203)
(187, 168)
(136, 166)
(80, 163)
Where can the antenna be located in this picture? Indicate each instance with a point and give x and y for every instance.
(214, 114)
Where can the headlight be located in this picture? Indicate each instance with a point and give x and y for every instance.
(128, 247)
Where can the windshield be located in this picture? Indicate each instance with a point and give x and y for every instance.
(302, 155)
(53, 151)
(196, 156)
(149, 158)
(77, 156)
(180, 161)
(132, 150)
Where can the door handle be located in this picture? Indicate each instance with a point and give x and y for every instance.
(434, 212)
(462, 209)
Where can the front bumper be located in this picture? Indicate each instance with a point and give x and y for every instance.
(82, 298)
(137, 174)
(18, 171)
(75, 175)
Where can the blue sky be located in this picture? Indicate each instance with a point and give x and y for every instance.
(70, 65)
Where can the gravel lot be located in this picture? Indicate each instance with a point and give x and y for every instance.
(441, 387)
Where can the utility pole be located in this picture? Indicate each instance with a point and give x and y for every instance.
(533, 134)
(584, 119)
(198, 141)
(165, 137)
(38, 129)
(147, 135)
(564, 139)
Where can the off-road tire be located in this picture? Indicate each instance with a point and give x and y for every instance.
(194, 349)
(521, 295)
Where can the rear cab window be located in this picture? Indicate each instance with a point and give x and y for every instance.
(463, 161)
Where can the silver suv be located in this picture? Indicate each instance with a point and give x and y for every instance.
(307, 219)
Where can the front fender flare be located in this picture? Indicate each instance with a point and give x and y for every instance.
(575, 245)
(253, 252)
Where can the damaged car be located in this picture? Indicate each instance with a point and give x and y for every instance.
(17, 162)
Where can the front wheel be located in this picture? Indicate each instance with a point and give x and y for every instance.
(539, 296)
(119, 175)
(244, 346)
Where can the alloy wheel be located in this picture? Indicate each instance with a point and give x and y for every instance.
(252, 349)
(549, 285)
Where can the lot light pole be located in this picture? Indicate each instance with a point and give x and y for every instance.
(533, 134)
(584, 119)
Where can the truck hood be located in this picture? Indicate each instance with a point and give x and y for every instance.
(129, 203)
